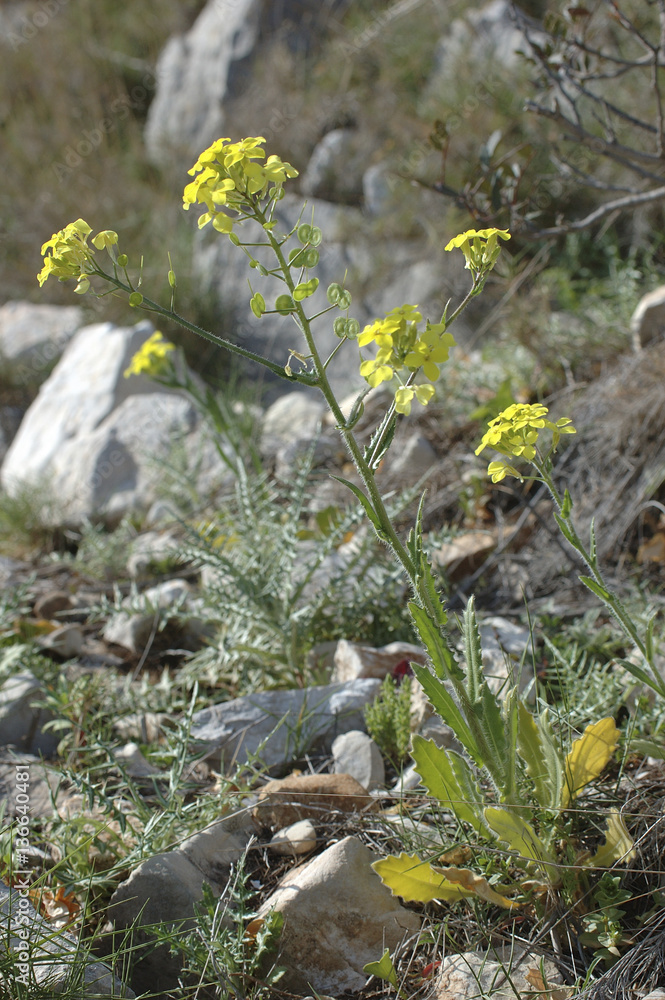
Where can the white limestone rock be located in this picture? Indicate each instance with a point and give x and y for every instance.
(194, 75)
(410, 461)
(57, 962)
(294, 840)
(33, 337)
(500, 976)
(357, 754)
(361, 918)
(283, 724)
(22, 720)
(334, 171)
(94, 438)
(353, 660)
(648, 321)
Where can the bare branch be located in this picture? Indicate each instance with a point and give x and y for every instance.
(612, 149)
(618, 205)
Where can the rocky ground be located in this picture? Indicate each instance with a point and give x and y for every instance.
(217, 770)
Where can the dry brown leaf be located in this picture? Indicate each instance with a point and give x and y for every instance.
(457, 855)
(652, 550)
(535, 978)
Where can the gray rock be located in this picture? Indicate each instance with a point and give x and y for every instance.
(132, 629)
(33, 337)
(410, 462)
(135, 763)
(218, 846)
(280, 725)
(504, 645)
(66, 641)
(482, 36)
(198, 72)
(293, 416)
(357, 754)
(56, 961)
(21, 718)
(151, 548)
(44, 784)
(166, 887)
(326, 450)
(335, 168)
(10, 421)
(195, 73)
(361, 915)
(378, 189)
(648, 321)
(98, 452)
(499, 974)
(163, 888)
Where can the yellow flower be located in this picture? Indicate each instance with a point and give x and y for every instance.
(499, 470)
(106, 239)
(152, 359)
(515, 433)
(404, 397)
(480, 248)
(401, 346)
(67, 254)
(377, 371)
(228, 176)
(431, 350)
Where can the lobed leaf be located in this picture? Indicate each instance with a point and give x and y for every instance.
(519, 835)
(448, 777)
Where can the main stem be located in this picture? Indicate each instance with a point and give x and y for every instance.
(362, 466)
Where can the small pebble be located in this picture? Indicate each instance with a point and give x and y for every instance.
(299, 838)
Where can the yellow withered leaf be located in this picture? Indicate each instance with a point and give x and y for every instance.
(588, 757)
(476, 884)
(413, 879)
(618, 845)
(416, 880)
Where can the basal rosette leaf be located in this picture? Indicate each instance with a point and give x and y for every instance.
(541, 755)
(617, 846)
(449, 778)
(510, 828)
(588, 757)
(415, 880)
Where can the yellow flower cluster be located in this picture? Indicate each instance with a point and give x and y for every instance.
(67, 254)
(230, 177)
(515, 433)
(403, 348)
(152, 359)
(480, 247)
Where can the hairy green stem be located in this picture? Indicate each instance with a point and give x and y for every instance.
(148, 305)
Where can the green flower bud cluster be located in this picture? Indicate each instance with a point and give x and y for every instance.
(230, 178)
(404, 350)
